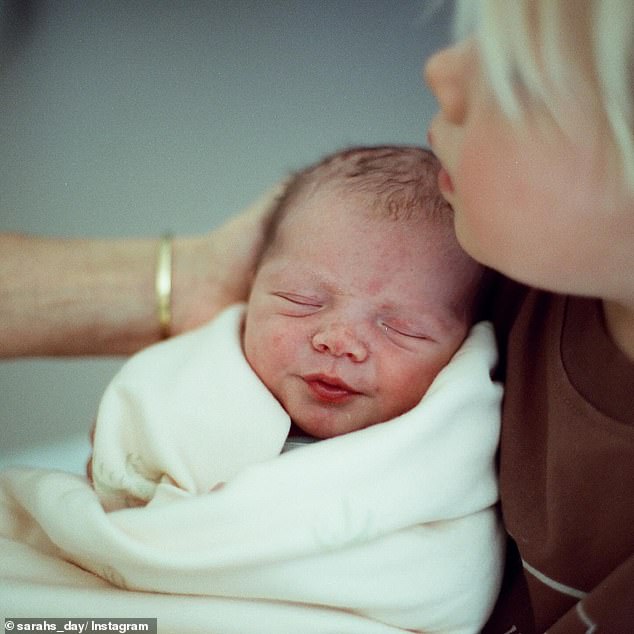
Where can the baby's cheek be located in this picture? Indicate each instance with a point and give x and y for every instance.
(275, 351)
(404, 384)
(278, 340)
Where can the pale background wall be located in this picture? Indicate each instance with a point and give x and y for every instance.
(132, 117)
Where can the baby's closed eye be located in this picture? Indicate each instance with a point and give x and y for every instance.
(296, 305)
(405, 334)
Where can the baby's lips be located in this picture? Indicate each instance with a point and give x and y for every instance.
(330, 389)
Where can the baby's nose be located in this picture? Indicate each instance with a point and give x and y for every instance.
(340, 340)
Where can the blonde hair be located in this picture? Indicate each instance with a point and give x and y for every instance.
(581, 45)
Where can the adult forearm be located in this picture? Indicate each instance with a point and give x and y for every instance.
(76, 296)
(95, 297)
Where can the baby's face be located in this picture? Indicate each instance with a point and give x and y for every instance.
(350, 318)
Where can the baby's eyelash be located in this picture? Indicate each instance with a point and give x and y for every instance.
(298, 299)
(293, 305)
(398, 331)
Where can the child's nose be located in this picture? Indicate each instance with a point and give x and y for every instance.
(340, 340)
(445, 74)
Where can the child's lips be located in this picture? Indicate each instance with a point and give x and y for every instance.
(329, 389)
(445, 184)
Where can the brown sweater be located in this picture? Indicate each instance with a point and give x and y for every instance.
(566, 468)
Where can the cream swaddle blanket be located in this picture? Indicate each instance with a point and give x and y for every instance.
(188, 411)
(386, 529)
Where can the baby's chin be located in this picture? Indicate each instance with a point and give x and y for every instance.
(340, 422)
(329, 427)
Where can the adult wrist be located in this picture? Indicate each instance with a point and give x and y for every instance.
(163, 285)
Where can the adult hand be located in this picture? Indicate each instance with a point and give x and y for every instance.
(215, 270)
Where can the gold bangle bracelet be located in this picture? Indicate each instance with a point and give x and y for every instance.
(163, 286)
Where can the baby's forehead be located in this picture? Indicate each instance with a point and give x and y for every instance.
(362, 221)
(382, 244)
(428, 217)
(362, 217)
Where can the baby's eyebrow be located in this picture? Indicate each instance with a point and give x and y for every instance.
(297, 273)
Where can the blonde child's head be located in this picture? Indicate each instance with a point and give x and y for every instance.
(547, 49)
(535, 135)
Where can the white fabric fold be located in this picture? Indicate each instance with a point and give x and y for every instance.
(182, 411)
(390, 528)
